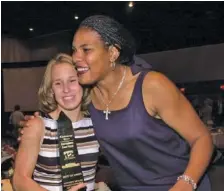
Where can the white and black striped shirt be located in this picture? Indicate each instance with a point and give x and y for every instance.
(47, 172)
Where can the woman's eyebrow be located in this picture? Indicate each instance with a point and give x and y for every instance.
(81, 46)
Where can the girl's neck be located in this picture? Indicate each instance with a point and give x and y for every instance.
(73, 115)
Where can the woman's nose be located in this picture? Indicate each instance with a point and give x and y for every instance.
(76, 57)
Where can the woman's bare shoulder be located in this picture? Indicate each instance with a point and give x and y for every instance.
(156, 79)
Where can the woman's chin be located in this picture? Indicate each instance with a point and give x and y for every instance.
(85, 81)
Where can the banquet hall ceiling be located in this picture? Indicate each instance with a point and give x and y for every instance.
(156, 26)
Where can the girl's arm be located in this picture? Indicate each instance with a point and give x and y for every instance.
(27, 157)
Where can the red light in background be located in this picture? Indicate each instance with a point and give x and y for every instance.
(182, 89)
(222, 87)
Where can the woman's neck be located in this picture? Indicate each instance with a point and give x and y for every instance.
(111, 82)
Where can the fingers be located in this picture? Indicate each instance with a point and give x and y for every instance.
(21, 131)
(37, 114)
(19, 139)
(24, 123)
(21, 123)
(77, 187)
(28, 117)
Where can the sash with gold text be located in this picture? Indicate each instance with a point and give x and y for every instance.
(71, 170)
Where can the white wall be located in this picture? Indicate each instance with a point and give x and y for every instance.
(14, 50)
(190, 64)
(21, 86)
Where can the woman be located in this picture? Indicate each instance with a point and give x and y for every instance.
(37, 164)
(147, 129)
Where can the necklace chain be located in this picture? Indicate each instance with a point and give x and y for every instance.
(107, 111)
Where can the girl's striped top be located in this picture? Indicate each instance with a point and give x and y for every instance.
(47, 170)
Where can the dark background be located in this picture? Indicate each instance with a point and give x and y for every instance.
(156, 26)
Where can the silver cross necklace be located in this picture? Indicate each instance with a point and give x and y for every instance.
(107, 111)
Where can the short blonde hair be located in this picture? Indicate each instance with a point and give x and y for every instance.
(47, 102)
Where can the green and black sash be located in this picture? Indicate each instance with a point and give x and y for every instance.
(70, 166)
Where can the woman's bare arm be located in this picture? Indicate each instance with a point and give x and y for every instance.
(162, 98)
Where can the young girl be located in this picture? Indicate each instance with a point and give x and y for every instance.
(37, 164)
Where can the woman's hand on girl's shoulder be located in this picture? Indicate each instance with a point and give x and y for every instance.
(25, 123)
(34, 127)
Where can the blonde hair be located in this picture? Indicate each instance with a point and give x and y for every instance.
(47, 102)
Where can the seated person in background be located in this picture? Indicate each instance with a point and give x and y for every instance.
(218, 111)
(14, 119)
(38, 155)
(206, 112)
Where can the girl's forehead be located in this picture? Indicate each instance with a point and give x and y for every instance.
(63, 73)
(64, 66)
